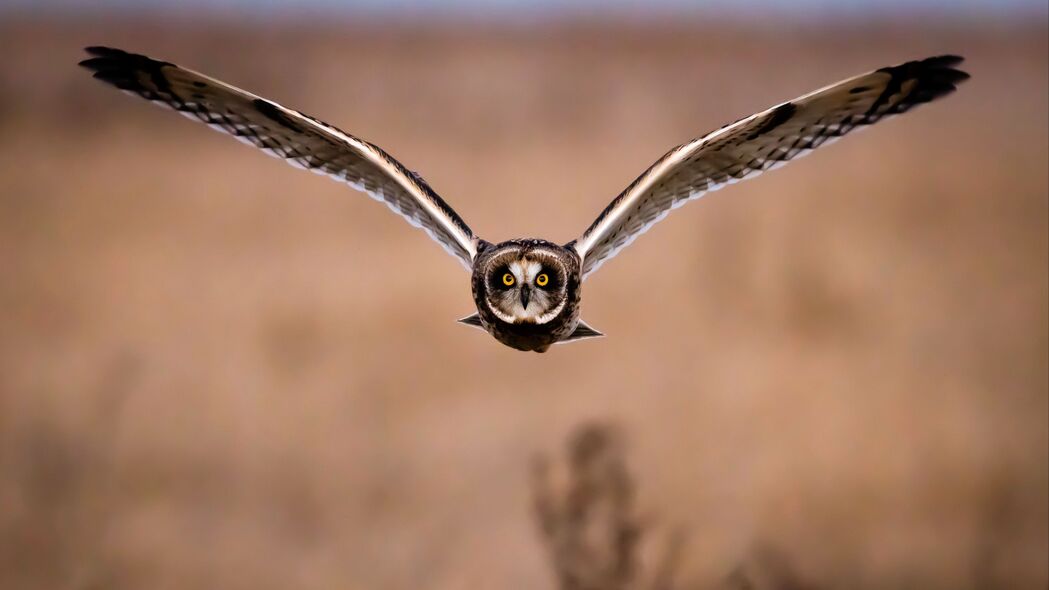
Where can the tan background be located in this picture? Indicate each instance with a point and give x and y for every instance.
(219, 372)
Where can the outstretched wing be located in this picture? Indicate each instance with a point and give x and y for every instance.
(290, 135)
(761, 142)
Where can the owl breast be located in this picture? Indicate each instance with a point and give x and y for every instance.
(536, 333)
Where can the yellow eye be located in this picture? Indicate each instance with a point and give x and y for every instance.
(542, 280)
(508, 279)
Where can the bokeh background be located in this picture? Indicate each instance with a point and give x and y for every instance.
(217, 371)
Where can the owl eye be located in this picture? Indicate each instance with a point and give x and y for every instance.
(508, 279)
(542, 280)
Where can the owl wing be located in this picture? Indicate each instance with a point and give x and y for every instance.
(761, 142)
(290, 135)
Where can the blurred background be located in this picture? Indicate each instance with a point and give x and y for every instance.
(217, 371)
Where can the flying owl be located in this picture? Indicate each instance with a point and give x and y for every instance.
(528, 291)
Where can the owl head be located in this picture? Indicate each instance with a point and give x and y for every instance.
(526, 281)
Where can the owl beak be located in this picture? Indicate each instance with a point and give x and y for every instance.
(526, 294)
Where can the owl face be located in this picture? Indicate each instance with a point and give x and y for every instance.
(525, 285)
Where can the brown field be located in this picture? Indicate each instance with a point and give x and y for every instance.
(219, 372)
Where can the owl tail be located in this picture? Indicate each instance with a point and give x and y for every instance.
(582, 330)
(472, 320)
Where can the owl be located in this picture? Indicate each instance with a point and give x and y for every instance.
(528, 291)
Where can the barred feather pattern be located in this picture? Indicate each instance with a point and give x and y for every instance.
(290, 135)
(762, 142)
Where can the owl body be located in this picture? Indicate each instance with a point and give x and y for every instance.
(527, 291)
(551, 312)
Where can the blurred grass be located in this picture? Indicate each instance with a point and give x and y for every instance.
(216, 371)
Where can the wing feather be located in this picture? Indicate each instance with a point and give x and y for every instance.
(761, 142)
(297, 138)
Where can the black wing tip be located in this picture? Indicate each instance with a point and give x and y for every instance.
(938, 69)
(947, 59)
(123, 69)
(938, 76)
(945, 66)
(109, 59)
(932, 77)
(102, 50)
